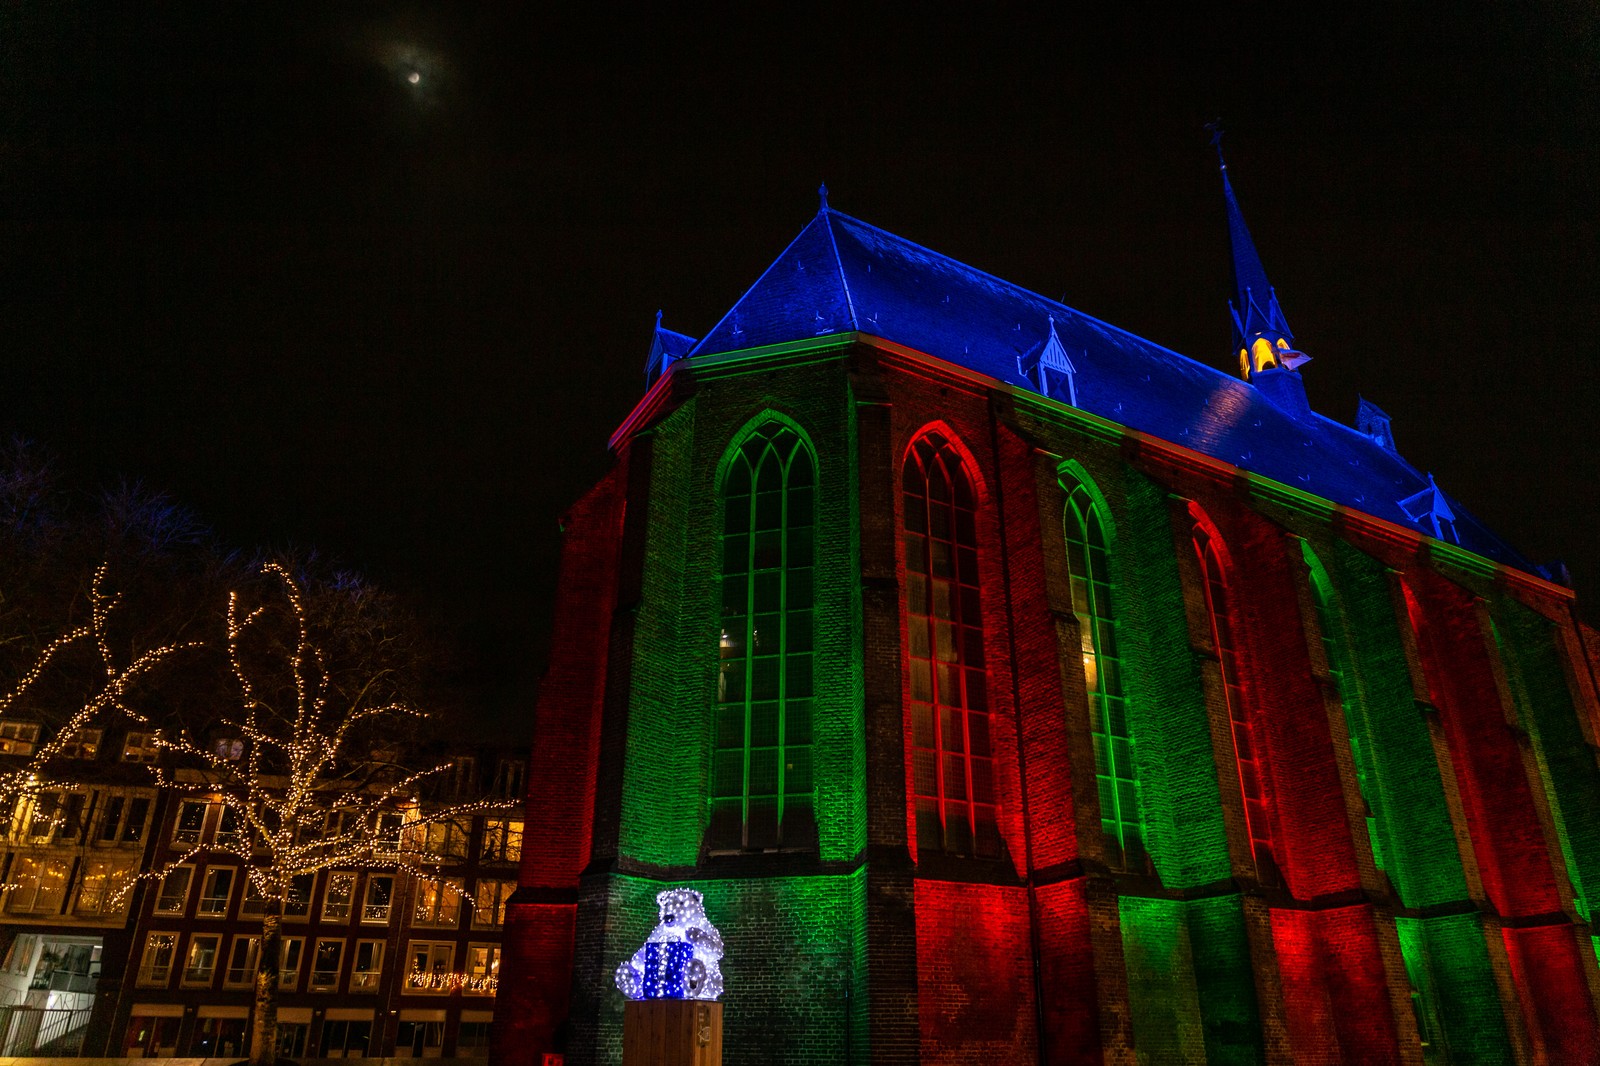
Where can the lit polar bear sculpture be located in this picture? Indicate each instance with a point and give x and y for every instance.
(680, 958)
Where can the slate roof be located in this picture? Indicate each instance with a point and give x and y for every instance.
(841, 275)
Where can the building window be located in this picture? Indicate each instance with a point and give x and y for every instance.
(472, 1040)
(367, 966)
(18, 738)
(1246, 750)
(229, 749)
(103, 891)
(1340, 676)
(438, 902)
(292, 1039)
(155, 968)
(429, 966)
(140, 747)
(191, 822)
(443, 842)
(38, 884)
(346, 1039)
(761, 788)
(502, 840)
(339, 897)
(174, 894)
(419, 1040)
(952, 755)
(297, 898)
(290, 951)
(124, 819)
(489, 903)
(228, 827)
(510, 778)
(215, 891)
(462, 777)
(483, 969)
(243, 956)
(201, 964)
(83, 744)
(380, 894)
(1121, 817)
(325, 965)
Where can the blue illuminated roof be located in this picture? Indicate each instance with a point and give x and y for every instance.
(842, 275)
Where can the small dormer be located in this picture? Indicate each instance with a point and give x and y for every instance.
(1372, 421)
(1049, 370)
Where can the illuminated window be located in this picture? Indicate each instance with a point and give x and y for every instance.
(489, 902)
(952, 756)
(429, 966)
(1247, 754)
(341, 893)
(38, 884)
(201, 963)
(1339, 675)
(155, 967)
(140, 747)
(761, 790)
(230, 749)
(174, 894)
(1121, 815)
(366, 966)
(443, 842)
(242, 960)
(438, 902)
(101, 892)
(482, 969)
(502, 840)
(18, 738)
(325, 965)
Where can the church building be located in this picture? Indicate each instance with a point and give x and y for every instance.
(1016, 690)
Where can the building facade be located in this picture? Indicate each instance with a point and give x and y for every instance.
(400, 962)
(1017, 690)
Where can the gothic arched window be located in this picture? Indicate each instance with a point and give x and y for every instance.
(953, 787)
(761, 790)
(1246, 750)
(1340, 673)
(1121, 816)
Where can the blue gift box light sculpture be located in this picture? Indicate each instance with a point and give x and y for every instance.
(681, 958)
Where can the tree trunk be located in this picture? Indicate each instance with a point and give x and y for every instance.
(264, 1026)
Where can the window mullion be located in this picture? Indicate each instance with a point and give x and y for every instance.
(783, 637)
(749, 655)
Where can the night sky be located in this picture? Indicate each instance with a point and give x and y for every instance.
(381, 278)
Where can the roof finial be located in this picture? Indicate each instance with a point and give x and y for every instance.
(1214, 127)
(658, 318)
(822, 195)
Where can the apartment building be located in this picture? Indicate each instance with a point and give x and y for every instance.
(393, 962)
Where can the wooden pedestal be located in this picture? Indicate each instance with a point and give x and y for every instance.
(671, 1032)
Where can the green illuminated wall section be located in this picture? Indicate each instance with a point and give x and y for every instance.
(1334, 643)
(1455, 998)
(1410, 813)
(1529, 648)
(1173, 759)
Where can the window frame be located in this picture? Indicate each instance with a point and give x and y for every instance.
(187, 870)
(332, 985)
(145, 976)
(195, 940)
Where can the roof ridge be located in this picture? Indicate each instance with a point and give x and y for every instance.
(1019, 288)
(844, 282)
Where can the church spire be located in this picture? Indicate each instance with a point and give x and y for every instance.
(1261, 334)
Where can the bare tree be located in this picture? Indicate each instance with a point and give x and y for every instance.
(312, 771)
